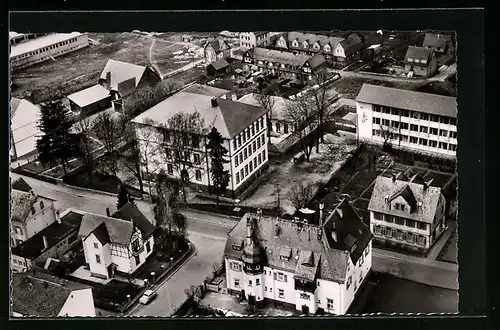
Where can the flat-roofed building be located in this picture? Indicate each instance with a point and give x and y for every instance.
(416, 121)
(32, 51)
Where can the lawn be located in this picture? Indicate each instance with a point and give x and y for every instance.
(349, 87)
(113, 295)
(449, 251)
(169, 56)
(82, 68)
(395, 295)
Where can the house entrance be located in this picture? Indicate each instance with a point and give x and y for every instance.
(251, 299)
(305, 309)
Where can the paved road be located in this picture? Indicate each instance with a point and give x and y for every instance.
(208, 233)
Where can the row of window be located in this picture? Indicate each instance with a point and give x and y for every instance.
(185, 139)
(415, 128)
(315, 46)
(45, 49)
(248, 133)
(285, 127)
(400, 235)
(250, 166)
(197, 173)
(400, 221)
(415, 140)
(416, 60)
(414, 114)
(184, 156)
(249, 150)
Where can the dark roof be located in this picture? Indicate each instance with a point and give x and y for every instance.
(420, 53)
(220, 64)
(55, 232)
(219, 45)
(299, 238)
(205, 90)
(352, 44)
(21, 185)
(422, 199)
(408, 100)
(130, 212)
(259, 33)
(119, 231)
(349, 228)
(436, 40)
(316, 61)
(271, 55)
(21, 203)
(101, 234)
(307, 265)
(41, 296)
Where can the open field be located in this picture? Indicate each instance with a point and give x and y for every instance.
(81, 69)
(349, 87)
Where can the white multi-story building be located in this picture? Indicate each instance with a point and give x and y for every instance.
(242, 126)
(408, 212)
(255, 39)
(304, 266)
(120, 243)
(417, 121)
(44, 48)
(31, 213)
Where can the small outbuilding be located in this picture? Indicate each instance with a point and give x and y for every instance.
(217, 68)
(90, 100)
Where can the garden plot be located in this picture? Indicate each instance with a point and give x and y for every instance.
(318, 171)
(169, 56)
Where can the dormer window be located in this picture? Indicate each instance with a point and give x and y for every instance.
(237, 246)
(136, 245)
(316, 46)
(423, 61)
(410, 59)
(295, 43)
(327, 48)
(33, 211)
(285, 253)
(42, 206)
(305, 44)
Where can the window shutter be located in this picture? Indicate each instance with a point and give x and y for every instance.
(285, 277)
(275, 276)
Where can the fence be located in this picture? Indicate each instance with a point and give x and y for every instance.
(33, 175)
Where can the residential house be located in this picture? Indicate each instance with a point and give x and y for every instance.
(187, 38)
(407, 212)
(338, 52)
(218, 68)
(119, 243)
(24, 130)
(217, 49)
(279, 63)
(51, 242)
(406, 119)
(304, 266)
(90, 100)
(30, 213)
(254, 39)
(42, 295)
(421, 61)
(242, 126)
(44, 48)
(123, 79)
(443, 47)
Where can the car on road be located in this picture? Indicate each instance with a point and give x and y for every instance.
(147, 297)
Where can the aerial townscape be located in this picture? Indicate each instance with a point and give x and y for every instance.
(231, 174)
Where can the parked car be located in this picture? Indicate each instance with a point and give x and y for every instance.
(147, 297)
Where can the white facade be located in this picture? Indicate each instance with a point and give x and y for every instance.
(250, 40)
(279, 285)
(45, 48)
(247, 154)
(19, 264)
(418, 131)
(99, 257)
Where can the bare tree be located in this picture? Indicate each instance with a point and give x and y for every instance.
(303, 113)
(300, 194)
(166, 203)
(83, 127)
(109, 130)
(266, 100)
(184, 136)
(148, 97)
(387, 133)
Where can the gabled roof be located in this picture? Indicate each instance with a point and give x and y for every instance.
(279, 106)
(89, 95)
(219, 45)
(436, 40)
(24, 125)
(259, 33)
(21, 185)
(54, 233)
(101, 233)
(352, 44)
(21, 204)
(331, 263)
(205, 90)
(271, 55)
(408, 100)
(40, 42)
(425, 199)
(307, 265)
(419, 53)
(311, 39)
(122, 71)
(130, 212)
(229, 117)
(349, 228)
(219, 64)
(119, 231)
(316, 61)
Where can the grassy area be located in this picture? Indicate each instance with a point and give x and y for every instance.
(164, 58)
(395, 295)
(113, 295)
(449, 251)
(349, 87)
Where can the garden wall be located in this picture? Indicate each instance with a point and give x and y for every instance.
(41, 177)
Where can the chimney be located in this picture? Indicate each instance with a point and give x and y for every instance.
(334, 232)
(45, 243)
(108, 77)
(276, 230)
(107, 212)
(321, 207)
(58, 216)
(249, 229)
(214, 102)
(386, 198)
(233, 97)
(394, 178)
